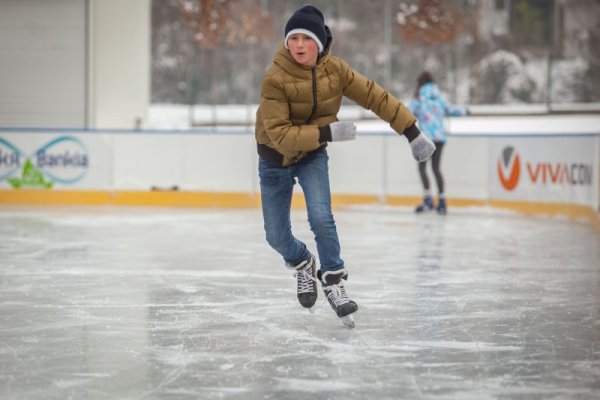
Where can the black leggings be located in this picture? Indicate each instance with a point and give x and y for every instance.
(435, 164)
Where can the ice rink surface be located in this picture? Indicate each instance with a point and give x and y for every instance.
(175, 303)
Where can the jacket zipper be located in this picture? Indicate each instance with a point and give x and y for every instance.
(314, 93)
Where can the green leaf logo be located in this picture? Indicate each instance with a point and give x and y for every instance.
(32, 177)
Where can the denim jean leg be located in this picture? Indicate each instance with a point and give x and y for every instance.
(313, 177)
(276, 187)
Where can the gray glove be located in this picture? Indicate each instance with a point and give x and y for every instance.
(342, 131)
(422, 148)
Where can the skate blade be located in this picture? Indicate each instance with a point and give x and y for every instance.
(348, 320)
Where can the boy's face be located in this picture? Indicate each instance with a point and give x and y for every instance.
(304, 49)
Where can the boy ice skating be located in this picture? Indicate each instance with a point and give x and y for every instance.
(301, 95)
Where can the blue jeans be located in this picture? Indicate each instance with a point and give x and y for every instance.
(276, 186)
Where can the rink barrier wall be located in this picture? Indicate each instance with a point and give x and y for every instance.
(557, 160)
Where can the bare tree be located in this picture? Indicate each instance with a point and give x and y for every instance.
(431, 22)
(216, 24)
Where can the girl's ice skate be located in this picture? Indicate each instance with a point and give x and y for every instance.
(426, 205)
(441, 208)
(305, 273)
(336, 295)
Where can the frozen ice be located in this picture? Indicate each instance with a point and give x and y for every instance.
(188, 303)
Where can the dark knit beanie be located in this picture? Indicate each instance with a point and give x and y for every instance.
(309, 21)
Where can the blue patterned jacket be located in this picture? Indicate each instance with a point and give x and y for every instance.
(430, 108)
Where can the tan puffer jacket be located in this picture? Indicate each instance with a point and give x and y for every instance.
(295, 100)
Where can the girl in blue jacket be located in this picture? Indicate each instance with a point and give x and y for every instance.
(430, 108)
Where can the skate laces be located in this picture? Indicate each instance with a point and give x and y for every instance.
(305, 278)
(336, 293)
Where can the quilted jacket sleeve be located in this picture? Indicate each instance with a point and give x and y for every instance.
(371, 96)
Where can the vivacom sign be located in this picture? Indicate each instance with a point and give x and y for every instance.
(549, 169)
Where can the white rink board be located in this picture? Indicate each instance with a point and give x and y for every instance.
(378, 163)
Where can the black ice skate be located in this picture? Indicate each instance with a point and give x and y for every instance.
(307, 283)
(336, 295)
